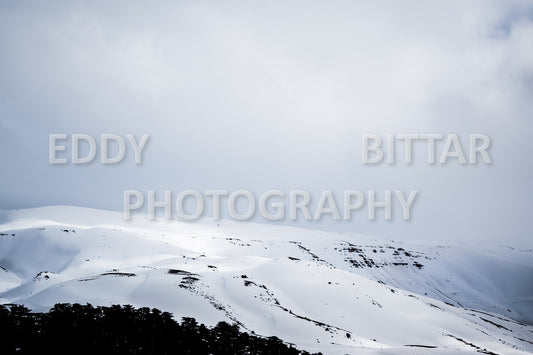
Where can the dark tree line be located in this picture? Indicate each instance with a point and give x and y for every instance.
(84, 329)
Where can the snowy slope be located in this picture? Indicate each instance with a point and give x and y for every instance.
(322, 291)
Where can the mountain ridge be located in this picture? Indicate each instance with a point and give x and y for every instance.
(323, 291)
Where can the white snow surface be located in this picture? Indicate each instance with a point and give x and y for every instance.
(321, 291)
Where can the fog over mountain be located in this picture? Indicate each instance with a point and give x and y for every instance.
(383, 145)
(274, 95)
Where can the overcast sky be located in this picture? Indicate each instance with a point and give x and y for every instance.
(274, 95)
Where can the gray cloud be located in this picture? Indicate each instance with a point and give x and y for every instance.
(262, 95)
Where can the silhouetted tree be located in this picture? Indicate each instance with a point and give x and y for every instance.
(84, 329)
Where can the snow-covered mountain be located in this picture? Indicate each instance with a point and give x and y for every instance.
(328, 292)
